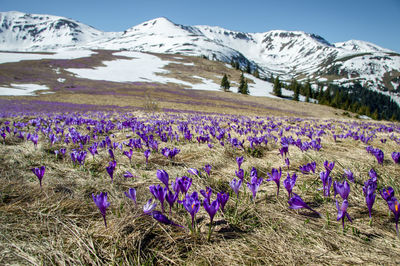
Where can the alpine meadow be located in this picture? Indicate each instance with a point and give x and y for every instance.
(168, 144)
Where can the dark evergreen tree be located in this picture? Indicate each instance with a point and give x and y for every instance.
(296, 93)
(225, 83)
(277, 87)
(248, 68)
(256, 73)
(308, 91)
(243, 87)
(327, 98)
(237, 65)
(293, 85)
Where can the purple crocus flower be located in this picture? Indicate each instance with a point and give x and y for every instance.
(170, 153)
(312, 166)
(39, 172)
(63, 151)
(3, 135)
(211, 208)
(192, 205)
(326, 183)
(163, 219)
(34, 138)
(379, 155)
(343, 189)
(373, 175)
(110, 169)
(342, 211)
(239, 161)
(253, 173)
(117, 145)
(396, 157)
(276, 177)
(254, 185)
(207, 169)
(93, 149)
(129, 154)
(159, 193)
(111, 153)
(349, 175)
(369, 193)
(101, 203)
(289, 183)
(235, 185)
(73, 155)
(222, 198)
(131, 194)
(296, 202)
(171, 198)
(128, 174)
(146, 155)
(304, 169)
(240, 174)
(387, 193)
(80, 157)
(163, 176)
(394, 206)
(175, 185)
(287, 162)
(184, 184)
(329, 166)
(193, 171)
(206, 193)
(284, 150)
(149, 206)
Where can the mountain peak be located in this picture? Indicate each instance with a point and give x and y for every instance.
(161, 25)
(157, 22)
(361, 46)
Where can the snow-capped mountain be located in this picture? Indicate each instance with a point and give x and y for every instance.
(163, 36)
(31, 32)
(289, 54)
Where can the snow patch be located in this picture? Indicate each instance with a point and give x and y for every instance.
(365, 117)
(141, 68)
(207, 85)
(22, 89)
(61, 54)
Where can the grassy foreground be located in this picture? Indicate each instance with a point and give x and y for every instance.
(60, 224)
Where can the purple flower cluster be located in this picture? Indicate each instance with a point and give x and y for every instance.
(378, 153)
(99, 133)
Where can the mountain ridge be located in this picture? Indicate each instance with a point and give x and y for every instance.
(288, 54)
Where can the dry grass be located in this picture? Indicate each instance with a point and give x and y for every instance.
(60, 224)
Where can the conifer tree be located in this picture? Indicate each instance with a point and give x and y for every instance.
(296, 93)
(256, 73)
(277, 87)
(233, 62)
(225, 83)
(308, 91)
(246, 88)
(248, 67)
(243, 87)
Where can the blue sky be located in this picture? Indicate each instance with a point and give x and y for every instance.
(376, 21)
